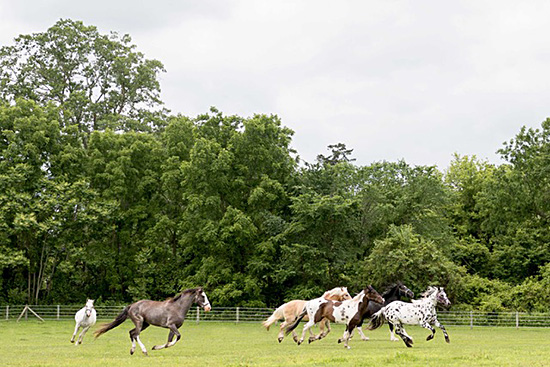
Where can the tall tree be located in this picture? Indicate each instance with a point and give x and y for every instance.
(96, 80)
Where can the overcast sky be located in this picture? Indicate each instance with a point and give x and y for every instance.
(413, 80)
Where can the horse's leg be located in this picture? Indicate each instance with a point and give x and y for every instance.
(307, 326)
(281, 335)
(173, 332)
(401, 332)
(82, 333)
(134, 335)
(312, 336)
(392, 335)
(360, 331)
(75, 332)
(426, 325)
(347, 334)
(438, 324)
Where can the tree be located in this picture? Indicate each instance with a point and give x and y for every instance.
(96, 80)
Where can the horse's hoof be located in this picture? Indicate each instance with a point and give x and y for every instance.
(429, 337)
(365, 339)
(447, 340)
(280, 339)
(339, 341)
(146, 354)
(131, 351)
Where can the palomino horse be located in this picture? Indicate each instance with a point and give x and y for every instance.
(290, 311)
(85, 318)
(169, 314)
(419, 312)
(392, 293)
(349, 312)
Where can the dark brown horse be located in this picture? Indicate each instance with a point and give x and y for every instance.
(168, 314)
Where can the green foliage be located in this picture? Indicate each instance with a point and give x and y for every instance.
(104, 195)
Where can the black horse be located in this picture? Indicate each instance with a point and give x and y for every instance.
(168, 314)
(394, 292)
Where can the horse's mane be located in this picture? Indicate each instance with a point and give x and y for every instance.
(390, 288)
(187, 291)
(429, 291)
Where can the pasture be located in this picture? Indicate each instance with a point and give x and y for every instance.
(32, 343)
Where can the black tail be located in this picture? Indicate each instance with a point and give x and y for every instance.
(293, 326)
(377, 320)
(117, 321)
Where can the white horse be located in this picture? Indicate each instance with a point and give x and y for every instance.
(85, 318)
(419, 312)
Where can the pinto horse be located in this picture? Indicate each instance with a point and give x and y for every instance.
(419, 312)
(349, 312)
(168, 314)
(85, 318)
(392, 293)
(290, 311)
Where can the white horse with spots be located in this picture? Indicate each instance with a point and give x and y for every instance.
(419, 312)
(85, 318)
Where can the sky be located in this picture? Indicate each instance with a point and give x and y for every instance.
(391, 79)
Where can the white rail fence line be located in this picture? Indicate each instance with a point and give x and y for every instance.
(250, 314)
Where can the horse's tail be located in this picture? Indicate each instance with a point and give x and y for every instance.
(276, 316)
(293, 326)
(377, 320)
(117, 321)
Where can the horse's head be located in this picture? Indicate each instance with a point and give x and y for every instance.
(442, 299)
(202, 300)
(337, 294)
(404, 291)
(89, 307)
(373, 295)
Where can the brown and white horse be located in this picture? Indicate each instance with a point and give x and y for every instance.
(290, 311)
(349, 312)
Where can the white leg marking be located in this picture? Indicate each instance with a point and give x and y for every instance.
(141, 345)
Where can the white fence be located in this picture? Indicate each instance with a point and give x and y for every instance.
(249, 314)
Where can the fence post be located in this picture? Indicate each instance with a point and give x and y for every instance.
(471, 320)
(237, 314)
(198, 314)
(7, 312)
(57, 312)
(517, 320)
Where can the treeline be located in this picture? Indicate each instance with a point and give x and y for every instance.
(104, 194)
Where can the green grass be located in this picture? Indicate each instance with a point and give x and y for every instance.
(32, 343)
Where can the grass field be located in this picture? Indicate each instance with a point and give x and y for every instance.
(32, 343)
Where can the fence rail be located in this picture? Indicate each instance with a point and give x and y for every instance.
(249, 314)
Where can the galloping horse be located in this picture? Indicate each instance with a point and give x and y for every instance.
(349, 312)
(392, 293)
(290, 311)
(85, 318)
(169, 314)
(419, 312)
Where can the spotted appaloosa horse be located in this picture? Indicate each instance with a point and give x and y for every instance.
(419, 312)
(349, 312)
(393, 292)
(290, 311)
(169, 314)
(85, 318)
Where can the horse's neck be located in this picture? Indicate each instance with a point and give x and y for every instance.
(429, 301)
(391, 295)
(185, 302)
